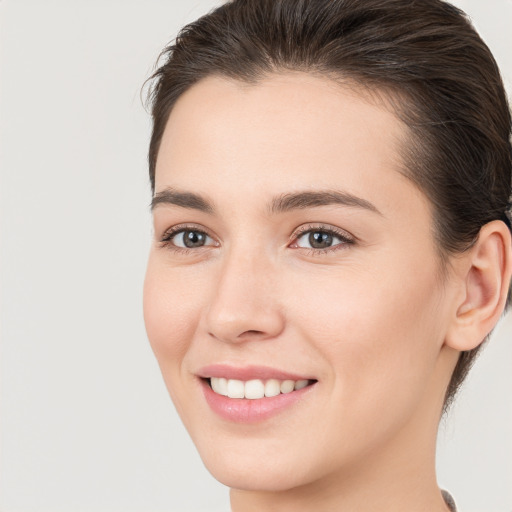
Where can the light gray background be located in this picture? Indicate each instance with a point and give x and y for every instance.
(86, 423)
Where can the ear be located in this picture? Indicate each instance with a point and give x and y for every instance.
(484, 274)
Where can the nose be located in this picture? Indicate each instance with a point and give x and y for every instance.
(245, 302)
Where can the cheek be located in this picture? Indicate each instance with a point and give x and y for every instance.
(379, 332)
(170, 309)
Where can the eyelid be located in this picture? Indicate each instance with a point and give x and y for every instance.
(166, 238)
(345, 237)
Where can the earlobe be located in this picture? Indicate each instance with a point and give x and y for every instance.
(485, 280)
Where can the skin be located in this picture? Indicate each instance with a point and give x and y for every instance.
(373, 320)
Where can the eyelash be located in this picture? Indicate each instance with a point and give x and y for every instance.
(343, 236)
(167, 238)
(346, 239)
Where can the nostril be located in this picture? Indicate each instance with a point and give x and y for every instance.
(251, 335)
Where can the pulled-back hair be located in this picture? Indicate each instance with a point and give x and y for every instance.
(423, 55)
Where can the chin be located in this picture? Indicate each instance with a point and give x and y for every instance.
(258, 465)
(260, 477)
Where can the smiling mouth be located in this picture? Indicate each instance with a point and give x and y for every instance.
(256, 388)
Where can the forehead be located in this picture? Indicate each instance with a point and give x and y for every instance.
(288, 129)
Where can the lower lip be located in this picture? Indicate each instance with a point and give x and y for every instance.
(243, 410)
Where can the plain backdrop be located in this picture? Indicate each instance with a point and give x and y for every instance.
(86, 423)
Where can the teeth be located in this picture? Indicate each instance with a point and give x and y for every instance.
(272, 387)
(287, 386)
(236, 389)
(220, 386)
(256, 388)
(301, 384)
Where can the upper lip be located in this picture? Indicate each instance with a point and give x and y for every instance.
(246, 373)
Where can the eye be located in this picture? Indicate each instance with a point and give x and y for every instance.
(320, 238)
(187, 238)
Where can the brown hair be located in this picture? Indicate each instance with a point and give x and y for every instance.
(423, 53)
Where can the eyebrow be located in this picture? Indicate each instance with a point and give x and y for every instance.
(183, 199)
(312, 199)
(280, 204)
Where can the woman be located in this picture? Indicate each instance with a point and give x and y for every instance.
(331, 199)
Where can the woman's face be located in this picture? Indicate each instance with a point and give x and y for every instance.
(288, 246)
